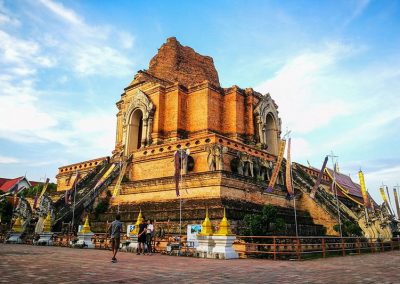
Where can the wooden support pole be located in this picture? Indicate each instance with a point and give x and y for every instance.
(343, 251)
(298, 249)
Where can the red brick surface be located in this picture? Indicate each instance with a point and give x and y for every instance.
(31, 264)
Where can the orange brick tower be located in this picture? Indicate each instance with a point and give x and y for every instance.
(228, 137)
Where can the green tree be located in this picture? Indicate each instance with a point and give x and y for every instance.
(259, 224)
(349, 229)
(6, 211)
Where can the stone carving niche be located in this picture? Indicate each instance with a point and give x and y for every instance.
(138, 123)
(267, 124)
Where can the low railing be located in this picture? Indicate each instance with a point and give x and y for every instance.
(269, 247)
(309, 247)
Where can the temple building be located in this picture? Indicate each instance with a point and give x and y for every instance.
(185, 143)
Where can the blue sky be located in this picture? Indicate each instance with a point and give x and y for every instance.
(333, 67)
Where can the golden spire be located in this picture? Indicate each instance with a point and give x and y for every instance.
(224, 227)
(206, 229)
(135, 231)
(47, 224)
(17, 227)
(86, 227)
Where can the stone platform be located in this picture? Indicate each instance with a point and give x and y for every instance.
(32, 264)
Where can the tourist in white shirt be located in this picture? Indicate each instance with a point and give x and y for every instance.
(149, 236)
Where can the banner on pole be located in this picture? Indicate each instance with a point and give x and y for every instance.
(385, 200)
(383, 195)
(289, 172)
(105, 176)
(275, 173)
(319, 179)
(389, 201)
(180, 164)
(364, 193)
(396, 200)
(119, 181)
(46, 184)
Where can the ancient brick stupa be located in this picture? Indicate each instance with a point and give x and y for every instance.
(187, 143)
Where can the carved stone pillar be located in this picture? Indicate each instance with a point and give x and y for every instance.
(124, 136)
(264, 135)
(149, 130)
(259, 129)
(144, 132)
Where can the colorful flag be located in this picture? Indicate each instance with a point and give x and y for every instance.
(385, 200)
(396, 200)
(319, 179)
(289, 186)
(119, 180)
(390, 201)
(105, 176)
(44, 188)
(364, 193)
(72, 180)
(177, 173)
(66, 197)
(180, 162)
(275, 173)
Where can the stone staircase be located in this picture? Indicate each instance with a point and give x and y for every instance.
(88, 189)
(328, 202)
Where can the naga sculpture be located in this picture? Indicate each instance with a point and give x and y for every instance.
(24, 212)
(45, 207)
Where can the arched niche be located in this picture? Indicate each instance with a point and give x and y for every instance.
(135, 130)
(271, 134)
(267, 124)
(138, 123)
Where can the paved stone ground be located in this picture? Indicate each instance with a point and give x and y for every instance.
(31, 264)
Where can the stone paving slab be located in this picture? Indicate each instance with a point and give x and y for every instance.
(32, 264)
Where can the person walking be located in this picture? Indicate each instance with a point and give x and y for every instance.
(149, 236)
(114, 230)
(142, 236)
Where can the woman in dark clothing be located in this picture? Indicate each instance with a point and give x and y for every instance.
(142, 236)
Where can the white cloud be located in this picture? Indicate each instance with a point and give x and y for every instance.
(77, 49)
(8, 160)
(63, 12)
(387, 176)
(301, 149)
(359, 8)
(301, 89)
(100, 60)
(376, 124)
(87, 49)
(6, 18)
(126, 39)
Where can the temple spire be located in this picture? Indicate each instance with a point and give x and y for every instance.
(86, 227)
(224, 227)
(206, 228)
